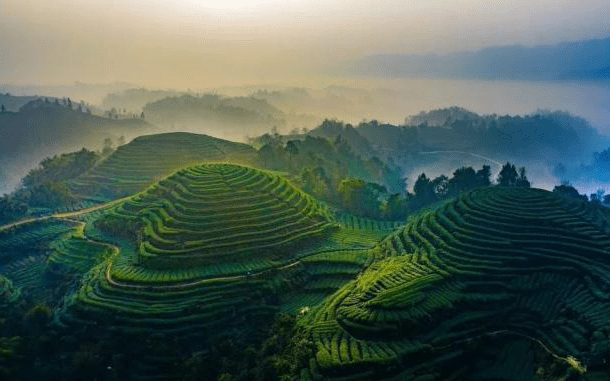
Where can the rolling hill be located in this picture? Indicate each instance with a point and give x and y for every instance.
(520, 269)
(149, 158)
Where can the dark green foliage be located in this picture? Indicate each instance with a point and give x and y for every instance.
(522, 181)
(357, 195)
(8, 293)
(338, 160)
(38, 315)
(345, 136)
(11, 353)
(12, 208)
(508, 176)
(315, 182)
(396, 208)
(49, 195)
(569, 191)
(484, 176)
(424, 190)
(496, 262)
(45, 186)
(280, 357)
(464, 179)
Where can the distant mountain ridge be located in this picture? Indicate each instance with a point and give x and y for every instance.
(579, 60)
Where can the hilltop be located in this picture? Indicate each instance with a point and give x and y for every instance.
(217, 214)
(149, 158)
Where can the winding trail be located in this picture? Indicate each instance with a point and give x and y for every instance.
(67, 216)
(64, 215)
(191, 283)
(178, 285)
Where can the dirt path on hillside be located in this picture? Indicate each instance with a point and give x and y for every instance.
(64, 215)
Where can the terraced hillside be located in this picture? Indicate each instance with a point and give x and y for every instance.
(199, 240)
(214, 216)
(150, 158)
(498, 267)
(205, 250)
(24, 253)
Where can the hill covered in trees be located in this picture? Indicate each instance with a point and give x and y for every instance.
(209, 112)
(44, 127)
(558, 134)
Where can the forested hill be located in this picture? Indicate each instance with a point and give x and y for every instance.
(233, 114)
(14, 103)
(558, 134)
(44, 128)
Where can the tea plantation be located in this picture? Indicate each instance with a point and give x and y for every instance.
(147, 159)
(497, 284)
(523, 267)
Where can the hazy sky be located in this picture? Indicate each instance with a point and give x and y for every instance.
(198, 43)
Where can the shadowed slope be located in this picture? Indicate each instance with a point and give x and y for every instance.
(523, 263)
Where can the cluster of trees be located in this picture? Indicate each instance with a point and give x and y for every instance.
(559, 134)
(372, 200)
(280, 357)
(567, 190)
(65, 103)
(45, 186)
(61, 167)
(319, 165)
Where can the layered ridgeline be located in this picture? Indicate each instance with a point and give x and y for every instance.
(150, 158)
(211, 248)
(217, 215)
(519, 269)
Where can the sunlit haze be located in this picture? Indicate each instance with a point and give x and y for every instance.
(200, 43)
